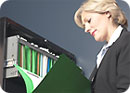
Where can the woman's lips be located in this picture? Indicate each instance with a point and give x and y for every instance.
(93, 33)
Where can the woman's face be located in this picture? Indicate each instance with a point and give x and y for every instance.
(96, 24)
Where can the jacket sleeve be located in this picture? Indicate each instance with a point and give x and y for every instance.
(123, 68)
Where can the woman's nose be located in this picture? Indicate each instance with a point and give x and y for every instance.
(87, 28)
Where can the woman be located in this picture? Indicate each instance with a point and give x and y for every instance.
(105, 21)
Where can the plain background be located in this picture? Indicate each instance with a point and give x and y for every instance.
(53, 20)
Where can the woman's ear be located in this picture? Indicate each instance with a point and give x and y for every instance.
(108, 14)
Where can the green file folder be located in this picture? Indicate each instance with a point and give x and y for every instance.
(28, 57)
(24, 58)
(64, 77)
(19, 52)
(34, 60)
(51, 60)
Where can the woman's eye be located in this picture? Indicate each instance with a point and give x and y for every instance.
(89, 20)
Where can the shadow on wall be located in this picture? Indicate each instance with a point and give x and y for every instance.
(125, 6)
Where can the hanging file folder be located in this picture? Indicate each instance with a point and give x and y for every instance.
(48, 64)
(19, 53)
(24, 57)
(45, 58)
(41, 66)
(28, 58)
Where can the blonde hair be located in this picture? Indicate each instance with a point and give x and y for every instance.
(101, 6)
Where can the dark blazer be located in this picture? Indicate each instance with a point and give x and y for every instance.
(113, 74)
